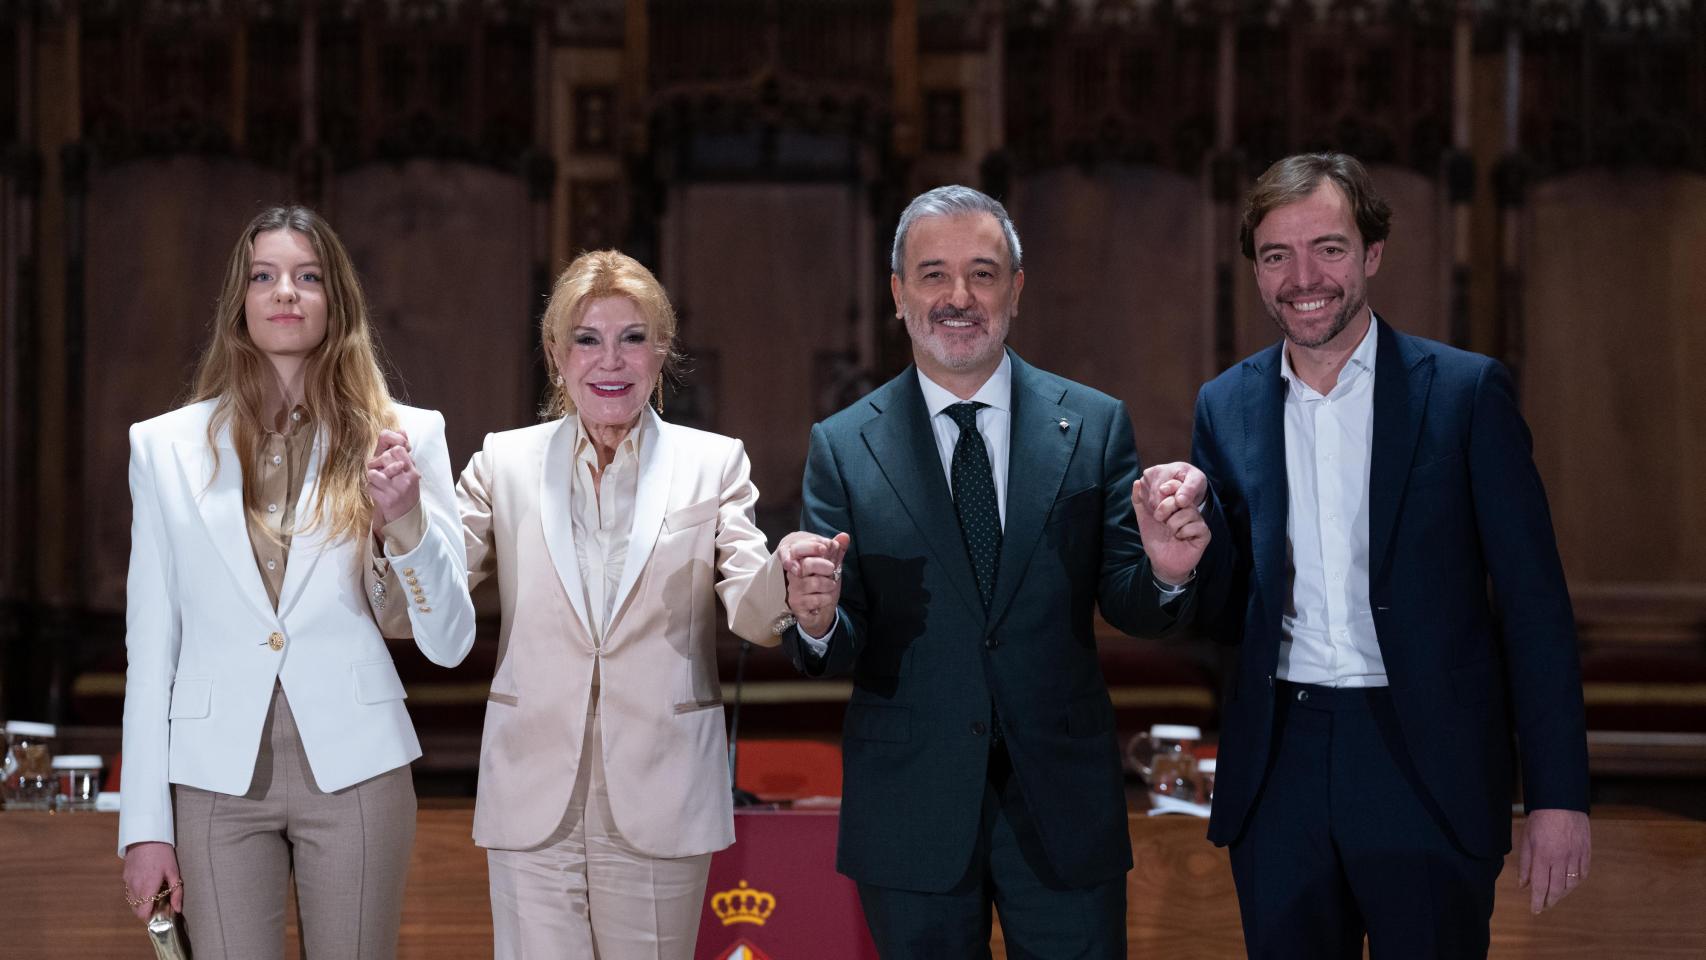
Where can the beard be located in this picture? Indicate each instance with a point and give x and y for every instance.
(1351, 304)
(944, 351)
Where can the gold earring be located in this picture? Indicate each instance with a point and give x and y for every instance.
(660, 395)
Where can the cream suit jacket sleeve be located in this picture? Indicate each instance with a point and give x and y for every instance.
(693, 541)
(205, 644)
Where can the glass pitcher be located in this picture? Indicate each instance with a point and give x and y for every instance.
(30, 783)
(1163, 757)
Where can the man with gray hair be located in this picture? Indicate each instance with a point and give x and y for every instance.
(985, 508)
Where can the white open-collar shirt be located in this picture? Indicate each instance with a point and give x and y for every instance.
(1328, 624)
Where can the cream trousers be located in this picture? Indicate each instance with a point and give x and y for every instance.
(585, 893)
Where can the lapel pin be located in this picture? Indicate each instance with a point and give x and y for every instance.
(1064, 425)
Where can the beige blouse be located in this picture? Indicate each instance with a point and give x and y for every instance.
(278, 479)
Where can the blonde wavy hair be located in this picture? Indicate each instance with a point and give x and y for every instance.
(593, 276)
(344, 389)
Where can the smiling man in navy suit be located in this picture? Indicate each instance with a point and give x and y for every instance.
(1376, 485)
(990, 509)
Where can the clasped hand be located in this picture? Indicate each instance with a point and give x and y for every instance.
(392, 480)
(1168, 500)
(812, 565)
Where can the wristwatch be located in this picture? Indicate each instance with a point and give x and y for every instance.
(783, 622)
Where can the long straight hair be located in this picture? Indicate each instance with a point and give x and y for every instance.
(344, 390)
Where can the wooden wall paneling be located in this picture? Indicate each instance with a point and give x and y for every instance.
(444, 249)
(768, 301)
(1115, 284)
(1613, 299)
(160, 233)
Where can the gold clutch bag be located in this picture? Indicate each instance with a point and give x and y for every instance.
(165, 933)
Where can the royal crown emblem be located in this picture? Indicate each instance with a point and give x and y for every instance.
(743, 905)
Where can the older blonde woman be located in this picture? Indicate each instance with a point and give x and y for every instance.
(604, 783)
(265, 736)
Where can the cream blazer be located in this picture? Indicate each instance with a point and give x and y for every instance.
(205, 645)
(693, 541)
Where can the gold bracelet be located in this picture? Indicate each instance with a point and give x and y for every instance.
(163, 894)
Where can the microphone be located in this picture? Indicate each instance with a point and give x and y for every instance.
(743, 798)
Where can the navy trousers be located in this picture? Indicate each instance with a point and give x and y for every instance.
(1344, 842)
(1041, 918)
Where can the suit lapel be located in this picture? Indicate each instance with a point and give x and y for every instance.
(1266, 489)
(219, 503)
(904, 451)
(558, 526)
(657, 461)
(1402, 378)
(1037, 441)
(305, 547)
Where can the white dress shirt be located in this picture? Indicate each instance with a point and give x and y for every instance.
(994, 421)
(602, 516)
(1328, 624)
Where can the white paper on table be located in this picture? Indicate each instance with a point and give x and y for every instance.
(1159, 804)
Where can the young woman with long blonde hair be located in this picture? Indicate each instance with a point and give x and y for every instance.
(264, 728)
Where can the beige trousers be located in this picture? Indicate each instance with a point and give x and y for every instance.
(585, 893)
(349, 852)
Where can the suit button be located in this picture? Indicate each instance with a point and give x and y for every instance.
(991, 643)
(276, 641)
(979, 727)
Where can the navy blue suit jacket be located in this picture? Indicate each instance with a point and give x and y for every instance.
(1455, 506)
(928, 663)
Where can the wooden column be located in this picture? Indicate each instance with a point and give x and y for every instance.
(540, 171)
(59, 627)
(20, 433)
(908, 105)
(311, 163)
(1459, 172)
(1510, 182)
(1225, 176)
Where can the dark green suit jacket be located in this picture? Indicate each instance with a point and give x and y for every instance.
(928, 663)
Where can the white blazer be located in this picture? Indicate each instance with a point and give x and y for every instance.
(692, 542)
(198, 625)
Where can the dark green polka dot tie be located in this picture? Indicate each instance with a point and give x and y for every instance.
(974, 498)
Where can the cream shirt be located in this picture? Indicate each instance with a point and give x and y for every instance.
(603, 516)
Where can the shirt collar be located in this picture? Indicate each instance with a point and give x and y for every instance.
(628, 449)
(295, 420)
(996, 392)
(1362, 360)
